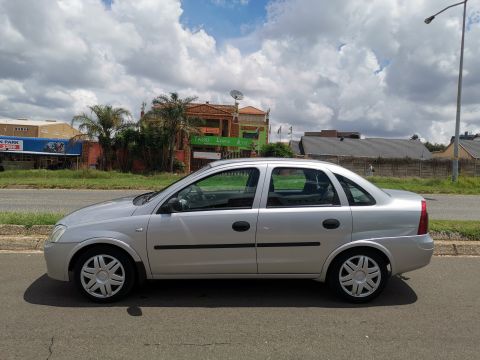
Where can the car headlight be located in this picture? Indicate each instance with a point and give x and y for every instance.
(57, 233)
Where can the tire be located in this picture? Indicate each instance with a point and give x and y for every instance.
(358, 275)
(104, 274)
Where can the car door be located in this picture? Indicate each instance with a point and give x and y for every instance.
(213, 230)
(304, 215)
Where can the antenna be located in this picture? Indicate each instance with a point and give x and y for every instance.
(237, 95)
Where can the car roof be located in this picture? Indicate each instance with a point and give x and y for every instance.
(266, 160)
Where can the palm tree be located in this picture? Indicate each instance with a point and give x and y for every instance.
(103, 123)
(170, 112)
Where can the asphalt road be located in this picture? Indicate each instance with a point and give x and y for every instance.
(442, 207)
(431, 313)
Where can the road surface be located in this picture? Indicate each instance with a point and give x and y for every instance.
(442, 207)
(431, 313)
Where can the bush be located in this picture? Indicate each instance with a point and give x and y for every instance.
(178, 166)
(278, 149)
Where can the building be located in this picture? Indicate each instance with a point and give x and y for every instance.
(254, 124)
(334, 146)
(467, 149)
(30, 144)
(227, 132)
(51, 129)
(38, 153)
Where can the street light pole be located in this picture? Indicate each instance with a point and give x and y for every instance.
(459, 91)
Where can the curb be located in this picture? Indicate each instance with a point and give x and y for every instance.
(36, 242)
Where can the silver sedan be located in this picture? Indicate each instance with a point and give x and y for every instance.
(246, 218)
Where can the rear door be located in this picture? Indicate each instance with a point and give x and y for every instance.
(303, 217)
(214, 232)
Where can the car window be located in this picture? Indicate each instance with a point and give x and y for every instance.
(293, 187)
(356, 195)
(231, 189)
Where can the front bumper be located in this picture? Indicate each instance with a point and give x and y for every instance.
(57, 256)
(409, 252)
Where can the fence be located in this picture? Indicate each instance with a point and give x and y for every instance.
(403, 167)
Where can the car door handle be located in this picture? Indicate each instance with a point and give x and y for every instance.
(240, 226)
(331, 224)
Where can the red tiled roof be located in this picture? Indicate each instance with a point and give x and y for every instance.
(250, 110)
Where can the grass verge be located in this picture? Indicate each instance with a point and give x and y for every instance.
(465, 185)
(84, 179)
(467, 229)
(29, 219)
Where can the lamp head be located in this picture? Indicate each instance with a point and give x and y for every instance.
(429, 19)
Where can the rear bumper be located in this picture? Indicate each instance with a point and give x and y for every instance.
(409, 252)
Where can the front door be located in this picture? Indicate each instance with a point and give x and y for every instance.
(213, 232)
(301, 221)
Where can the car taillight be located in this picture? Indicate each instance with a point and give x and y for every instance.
(423, 225)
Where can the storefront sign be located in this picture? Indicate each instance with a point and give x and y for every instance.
(220, 141)
(210, 130)
(40, 145)
(11, 145)
(207, 155)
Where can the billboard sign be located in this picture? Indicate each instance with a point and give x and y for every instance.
(11, 145)
(40, 145)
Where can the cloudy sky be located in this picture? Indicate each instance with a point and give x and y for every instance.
(371, 66)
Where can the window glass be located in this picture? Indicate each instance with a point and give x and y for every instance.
(293, 187)
(356, 195)
(232, 189)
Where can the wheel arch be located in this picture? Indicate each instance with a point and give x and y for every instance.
(364, 244)
(84, 246)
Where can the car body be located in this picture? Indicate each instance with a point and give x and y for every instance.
(246, 218)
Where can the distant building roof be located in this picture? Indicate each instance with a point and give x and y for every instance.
(373, 147)
(28, 122)
(250, 110)
(465, 136)
(295, 146)
(334, 133)
(472, 147)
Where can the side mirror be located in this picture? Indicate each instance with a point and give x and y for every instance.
(171, 206)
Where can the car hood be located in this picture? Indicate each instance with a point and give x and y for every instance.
(106, 210)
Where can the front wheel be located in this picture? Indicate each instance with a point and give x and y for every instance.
(358, 275)
(104, 274)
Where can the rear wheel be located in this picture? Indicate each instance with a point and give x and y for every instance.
(104, 274)
(358, 275)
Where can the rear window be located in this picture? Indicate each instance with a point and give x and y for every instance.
(356, 195)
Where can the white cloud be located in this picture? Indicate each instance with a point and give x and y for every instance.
(372, 67)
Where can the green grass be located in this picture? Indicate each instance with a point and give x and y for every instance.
(84, 179)
(468, 229)
(29, 219)
(465, 185)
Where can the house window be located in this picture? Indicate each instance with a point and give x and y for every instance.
(21, 129)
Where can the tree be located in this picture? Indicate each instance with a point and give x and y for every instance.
(434, 147)
(170, 112)
(103, 123)
(276, 150)
(414, 137)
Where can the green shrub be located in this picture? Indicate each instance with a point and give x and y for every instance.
(276, 150)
